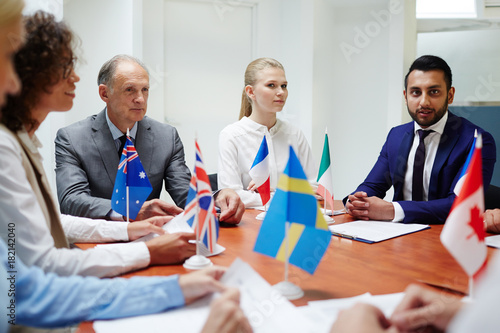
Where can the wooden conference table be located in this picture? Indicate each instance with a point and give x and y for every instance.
(348, 268)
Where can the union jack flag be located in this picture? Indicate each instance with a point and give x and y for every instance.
(130, 174)
(200, 206)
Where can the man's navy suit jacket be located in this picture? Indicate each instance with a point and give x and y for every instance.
(454, 146)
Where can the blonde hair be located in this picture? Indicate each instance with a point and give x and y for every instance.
(10, 10)
(251, 77)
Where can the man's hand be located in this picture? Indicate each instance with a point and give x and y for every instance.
(252, 187)
(492, 220)
(200, 283)
(157, 207)
(153, 224)
(424, 308)
(171, 248)
(226, 315)
(366, 208)
(231, 206)
(362, 318)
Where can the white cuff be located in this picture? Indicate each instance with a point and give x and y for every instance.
(399, 213)
(114, 216)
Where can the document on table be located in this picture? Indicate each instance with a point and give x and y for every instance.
(374, 231)
(331, 308)
(177, 224)
(265, 308)
(493, 241)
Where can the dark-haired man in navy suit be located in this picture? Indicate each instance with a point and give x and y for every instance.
(423, 168)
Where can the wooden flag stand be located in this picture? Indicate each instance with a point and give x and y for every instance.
(287, 288)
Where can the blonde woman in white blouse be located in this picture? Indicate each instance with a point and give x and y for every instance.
(264, 95)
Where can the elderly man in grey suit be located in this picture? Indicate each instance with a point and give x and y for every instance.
(87, 152)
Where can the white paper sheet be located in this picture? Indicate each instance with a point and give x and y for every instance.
(265, 308)
(331, 308)
(493, 241)
(374, 231)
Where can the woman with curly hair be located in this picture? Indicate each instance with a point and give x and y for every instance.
(45, 67)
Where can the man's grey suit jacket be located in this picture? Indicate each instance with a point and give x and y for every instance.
(87, 162)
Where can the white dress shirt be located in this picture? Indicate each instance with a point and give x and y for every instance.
(239, 144)
(431, 146)
(34, 243)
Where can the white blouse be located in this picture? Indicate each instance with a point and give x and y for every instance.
(34, 245)
(239, 144)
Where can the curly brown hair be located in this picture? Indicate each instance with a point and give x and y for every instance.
(46, 56)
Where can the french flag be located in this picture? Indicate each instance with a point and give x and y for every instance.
(260, 172)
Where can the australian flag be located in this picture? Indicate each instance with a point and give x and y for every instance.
(130, 174)
(200, 206)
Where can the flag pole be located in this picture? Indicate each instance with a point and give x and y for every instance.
(196, 217)
(287, 255)
(127, 190)
(127, 205)
(197, 214)
(325, 205)
(471, 287)
(286, 288)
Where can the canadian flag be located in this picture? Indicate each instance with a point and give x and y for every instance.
(260, 172)
(463, 233)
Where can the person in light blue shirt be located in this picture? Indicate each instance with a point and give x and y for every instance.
(34, 298)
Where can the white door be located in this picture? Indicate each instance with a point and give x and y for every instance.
(207, 46)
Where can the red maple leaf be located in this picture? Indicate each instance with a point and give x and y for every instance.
(476, 223)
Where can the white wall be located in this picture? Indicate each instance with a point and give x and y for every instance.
(46, 132)
(359, 61)
(105, 28)
(474, 58)
(352, 95)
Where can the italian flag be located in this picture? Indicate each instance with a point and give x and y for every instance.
(325, 184)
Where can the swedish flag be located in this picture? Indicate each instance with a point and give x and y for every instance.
(294, 202)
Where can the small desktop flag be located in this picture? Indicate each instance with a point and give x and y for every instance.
(325, 183)
(130, 174)
(200, 207)
(461, 179)
(294, 202)
(260, 172)
(463, 233)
